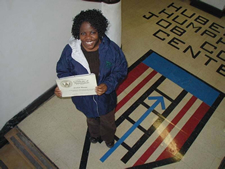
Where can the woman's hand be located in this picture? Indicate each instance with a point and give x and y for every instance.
(101, 89)
(58, 92)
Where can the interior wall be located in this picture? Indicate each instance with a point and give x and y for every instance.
(33, 34)
(113, 13)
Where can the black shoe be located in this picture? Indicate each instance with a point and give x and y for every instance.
(110, 145)
(94, 140)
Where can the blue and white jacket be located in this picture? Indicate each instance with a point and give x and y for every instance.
(112, 71)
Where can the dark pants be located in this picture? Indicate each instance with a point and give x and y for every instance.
(103, 126)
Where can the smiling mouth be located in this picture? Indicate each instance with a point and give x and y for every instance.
(89, 43)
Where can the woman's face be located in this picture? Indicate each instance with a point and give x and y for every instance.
(89, 37)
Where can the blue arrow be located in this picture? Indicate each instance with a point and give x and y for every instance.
(159, 99)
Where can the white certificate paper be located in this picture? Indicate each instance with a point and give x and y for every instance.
(78, 85)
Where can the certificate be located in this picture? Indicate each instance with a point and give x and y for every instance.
(78, 85)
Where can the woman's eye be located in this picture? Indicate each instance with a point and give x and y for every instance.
(93, 32)
(82, 33)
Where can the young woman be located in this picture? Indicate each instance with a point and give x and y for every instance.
(91, 51)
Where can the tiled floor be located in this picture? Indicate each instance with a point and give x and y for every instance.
(175, 52)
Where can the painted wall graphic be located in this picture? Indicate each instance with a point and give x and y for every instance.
(164, 108)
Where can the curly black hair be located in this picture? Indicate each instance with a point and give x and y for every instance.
(94, 17)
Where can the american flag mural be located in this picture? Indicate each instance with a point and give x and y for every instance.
(161, 110)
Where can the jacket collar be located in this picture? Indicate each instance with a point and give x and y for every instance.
(77, 53)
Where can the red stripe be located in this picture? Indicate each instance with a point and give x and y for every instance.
(135, 90)
(165, 133)
(131, 77)
(178, 141)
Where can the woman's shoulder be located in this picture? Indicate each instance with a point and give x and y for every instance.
(73, 45)
(67, 49)
(109, 43)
